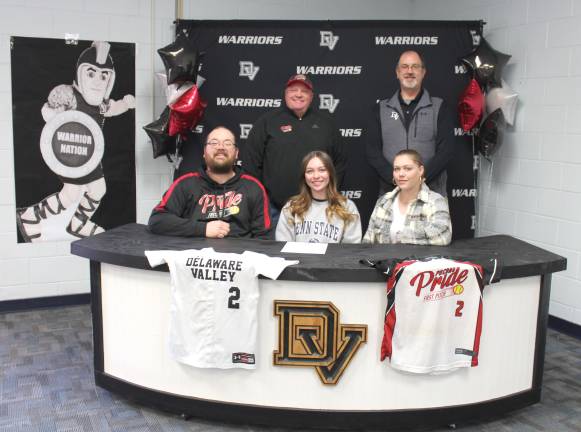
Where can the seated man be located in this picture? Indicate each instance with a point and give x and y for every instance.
(216, 202)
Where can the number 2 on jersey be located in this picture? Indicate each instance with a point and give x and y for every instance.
(460, 306)
(234, 298)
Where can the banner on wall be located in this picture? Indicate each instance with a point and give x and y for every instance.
(352, 66)
(74, 137)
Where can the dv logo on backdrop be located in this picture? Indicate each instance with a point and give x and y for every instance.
(248, 69)
(245, 130)
(475, 38)
(475, 163)
(328, 102)
(328, 39)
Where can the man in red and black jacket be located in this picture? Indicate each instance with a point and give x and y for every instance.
(216, 202)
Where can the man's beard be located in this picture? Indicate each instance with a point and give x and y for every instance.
(410, 83)
(224, 167)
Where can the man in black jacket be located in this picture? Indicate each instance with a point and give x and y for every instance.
(216, 202)
(281, 138)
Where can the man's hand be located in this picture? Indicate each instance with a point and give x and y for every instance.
(217, 229)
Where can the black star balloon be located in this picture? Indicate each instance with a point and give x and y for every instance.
(491, 133)
(487, 64)
(161, 142)
(181, 60)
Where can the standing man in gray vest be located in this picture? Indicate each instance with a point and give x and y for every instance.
(411, 119)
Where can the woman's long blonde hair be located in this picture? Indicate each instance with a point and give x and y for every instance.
(300, 204)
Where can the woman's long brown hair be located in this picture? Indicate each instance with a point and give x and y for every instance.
(299, 204)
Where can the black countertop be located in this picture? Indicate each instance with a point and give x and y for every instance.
(124, 246)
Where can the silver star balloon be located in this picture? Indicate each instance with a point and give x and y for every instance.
(505, 98)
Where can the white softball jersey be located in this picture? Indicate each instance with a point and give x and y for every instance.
(433, 318)
(214, 304)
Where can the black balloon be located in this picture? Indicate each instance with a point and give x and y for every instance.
(487, 64)
(181, 60)
(491, 133)
(161, 142)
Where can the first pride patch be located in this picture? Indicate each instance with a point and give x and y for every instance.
(72, 144)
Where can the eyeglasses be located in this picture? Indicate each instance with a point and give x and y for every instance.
(413, 67)
(228, 144)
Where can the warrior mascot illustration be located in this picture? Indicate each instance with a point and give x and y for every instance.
(72, 145)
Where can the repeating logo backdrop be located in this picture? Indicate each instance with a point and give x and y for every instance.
(352, 66)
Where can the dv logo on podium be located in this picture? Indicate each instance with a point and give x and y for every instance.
(309, 334)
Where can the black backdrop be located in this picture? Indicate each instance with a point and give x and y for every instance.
(352, 66)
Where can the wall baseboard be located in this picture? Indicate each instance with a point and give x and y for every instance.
(566, 327)
(44, 302)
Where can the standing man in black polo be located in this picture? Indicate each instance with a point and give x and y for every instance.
(281, 138)
(411, 119)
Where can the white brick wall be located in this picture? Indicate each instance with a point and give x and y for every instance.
(535, 190)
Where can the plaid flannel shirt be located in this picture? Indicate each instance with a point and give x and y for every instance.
(427, 221)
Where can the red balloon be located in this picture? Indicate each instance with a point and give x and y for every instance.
(471, 105)
(186, 112)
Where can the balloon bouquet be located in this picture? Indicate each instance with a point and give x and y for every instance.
(499, 103)
(185, 106)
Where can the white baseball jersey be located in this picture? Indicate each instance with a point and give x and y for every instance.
(433, 318)
(214, 304)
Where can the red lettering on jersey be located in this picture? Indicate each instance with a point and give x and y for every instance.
(442, 279)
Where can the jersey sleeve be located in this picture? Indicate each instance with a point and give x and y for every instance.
(271, 267)
(491, 268)
(157, 257)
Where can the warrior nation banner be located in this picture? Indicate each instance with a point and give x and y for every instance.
(74, 137)
(352, 65)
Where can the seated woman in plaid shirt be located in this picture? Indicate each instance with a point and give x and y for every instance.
(411, 213)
